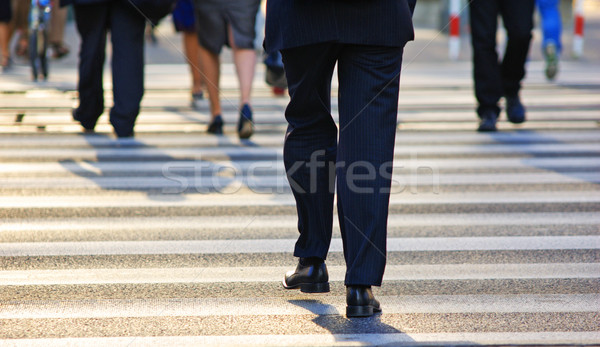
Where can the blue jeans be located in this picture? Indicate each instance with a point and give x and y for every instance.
(551, 23)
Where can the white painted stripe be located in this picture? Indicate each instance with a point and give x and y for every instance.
(198, 152)
(173, 182)
(550, 97)
(203, 167)
(290, 221)
(419, 244)
(444, 125)
(544, 114)
(31, 141)
(287, 199)
(441, 125)
(324, 305)
(395, 339)
(275, 274)
(158, 200)
(271, 119)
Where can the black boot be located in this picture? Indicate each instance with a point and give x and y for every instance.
(361, 302)
(309, 277)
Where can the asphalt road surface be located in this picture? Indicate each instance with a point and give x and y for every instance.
(178, 237)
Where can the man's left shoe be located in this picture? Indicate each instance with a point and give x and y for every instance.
(361, 302)
(310, 278)
(515, 111)
(245, 125)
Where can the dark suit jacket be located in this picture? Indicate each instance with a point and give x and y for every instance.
(81, 2)
(294, 23)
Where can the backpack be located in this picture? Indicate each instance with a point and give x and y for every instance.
(153, 10)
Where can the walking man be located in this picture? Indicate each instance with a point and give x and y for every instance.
(494, 79)
(365, 38)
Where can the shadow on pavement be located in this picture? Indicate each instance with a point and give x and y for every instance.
(132, 165)
(351, 330)
(536, 156)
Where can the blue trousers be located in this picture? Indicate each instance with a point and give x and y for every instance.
(359, 163)
(551, 23)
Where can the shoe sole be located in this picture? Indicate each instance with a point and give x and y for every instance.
(361, 311)
(246, 130)
(517, 121)
(215, 131)
(310, 287)
(486, 129)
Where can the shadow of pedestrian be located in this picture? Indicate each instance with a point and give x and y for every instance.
(369, 330)
(122, 165)
(171, 172)
(577, 159)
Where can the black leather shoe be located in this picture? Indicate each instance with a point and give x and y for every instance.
(309, 278)
(216, 126)
(515, 111)
(487, 121)
(361, 302)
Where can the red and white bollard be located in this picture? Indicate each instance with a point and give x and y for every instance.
(578, 29)
(454, 40)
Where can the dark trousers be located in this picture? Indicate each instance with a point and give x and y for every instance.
(494, 79)
(127, 37)
(361, 160)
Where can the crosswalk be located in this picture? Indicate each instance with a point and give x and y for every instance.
(181, 238)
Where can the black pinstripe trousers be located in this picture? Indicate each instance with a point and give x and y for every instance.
(358, 161)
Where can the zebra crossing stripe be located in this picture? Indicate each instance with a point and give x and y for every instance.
(416, 244)
(322, 305)
(525, 338)
(275, 274)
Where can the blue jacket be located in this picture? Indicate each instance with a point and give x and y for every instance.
(293, 23)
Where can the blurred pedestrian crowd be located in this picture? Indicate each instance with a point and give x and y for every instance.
(208, 25)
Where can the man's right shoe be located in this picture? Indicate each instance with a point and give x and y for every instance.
(309, 278)
(361, 302)
(487, 121)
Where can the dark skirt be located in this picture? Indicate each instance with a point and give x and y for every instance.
(5, 11)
